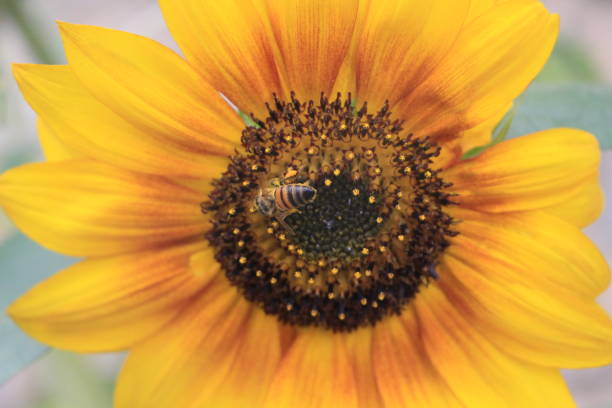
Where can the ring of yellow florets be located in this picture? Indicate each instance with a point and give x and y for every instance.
(368, 241)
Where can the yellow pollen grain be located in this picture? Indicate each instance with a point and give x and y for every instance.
(357, 275)
(428, 173)
(382, 248)
(422, 217)
(401, 237)
(291, 172)
(242, 260)
(374, 304)
(334, 271)
(323, 136)
(381, 296)
(341, 316)
(254, 167)
(274, 224)
(231, 211)
(289, 308)
(273, 281)
(407, 170)
(259, 274)
(236, 231)
(314, 312)
(349, 155)
(297, 274)
(401, 157)
(378, 170)
(399, 194)
(343, 126)
(365, 251)
(282, 237)
(246, 183)
(372, 199)
(312, 151)
(252, 210)
(379, 220)
(365, 125)
(364, 301)
(321, 262)
(241, 243)
(337, 172)
(291, 247)
(398, 207)
(368, 272)
(369, 154)
(267, 150)
(390, 275)
(311, 281)
(328, 182)
(331, 295)
(355, 192)
(270, 230)
(300, 251)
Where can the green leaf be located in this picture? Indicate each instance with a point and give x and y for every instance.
(582, 106)
(24, 263)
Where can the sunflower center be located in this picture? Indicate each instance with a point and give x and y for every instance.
(338, 222)
(330, 216)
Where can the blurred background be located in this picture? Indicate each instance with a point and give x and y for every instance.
(28, 34)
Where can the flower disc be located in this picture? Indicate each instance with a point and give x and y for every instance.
(355, 251)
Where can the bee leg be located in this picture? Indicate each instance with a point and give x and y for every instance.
(281, 218)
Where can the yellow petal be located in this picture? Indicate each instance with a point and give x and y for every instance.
(239, 56)
(479, 7)
(582, 208)
(221, 352)
(401, 44)
(316, 372)
(361, 356)
(491, 62)
(530, 172)
(405, 376)
(313, 38)
(53, 148)
(151, 87)
(86, 208)
(482, 134)
(107, 304)
(479, 374)
(561, 253)
(531, 285)
(259, 47)
(77, 122)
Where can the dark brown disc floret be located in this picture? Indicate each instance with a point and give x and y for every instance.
(358, 250)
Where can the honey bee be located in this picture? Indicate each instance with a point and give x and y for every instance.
(282, 200)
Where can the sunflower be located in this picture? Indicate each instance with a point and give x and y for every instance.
(332, 249)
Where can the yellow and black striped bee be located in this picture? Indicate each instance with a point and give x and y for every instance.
(281, 200)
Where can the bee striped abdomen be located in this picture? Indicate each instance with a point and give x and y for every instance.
(292, 196)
